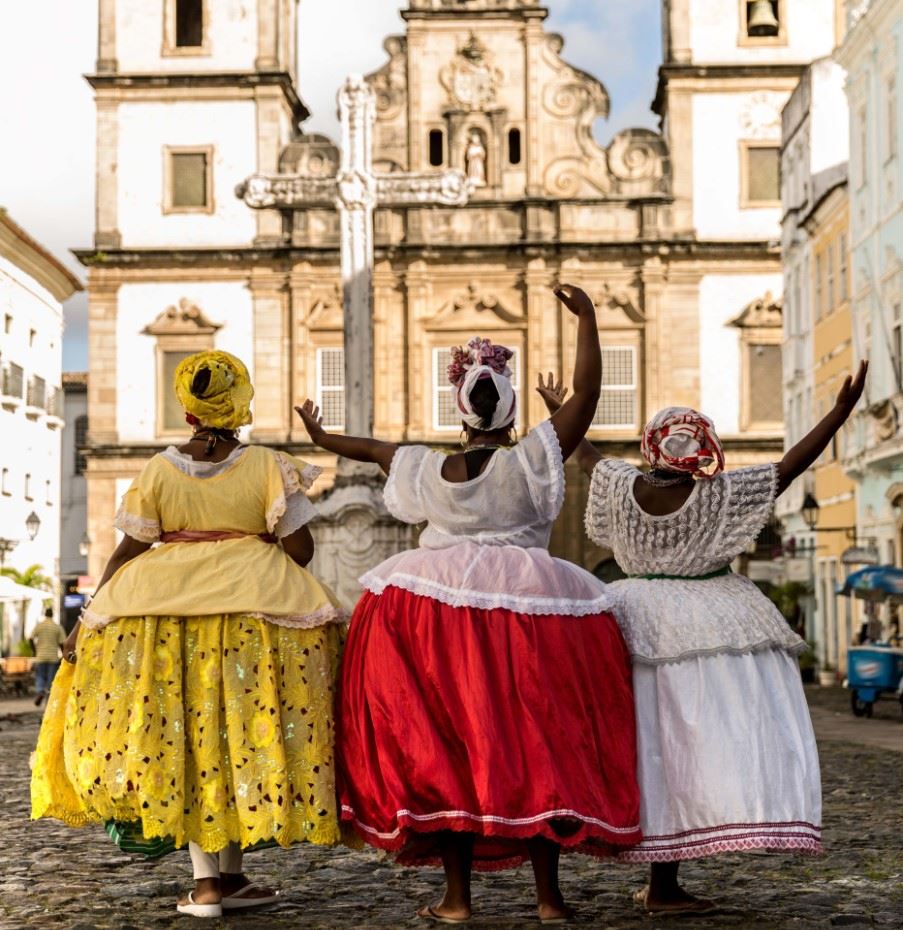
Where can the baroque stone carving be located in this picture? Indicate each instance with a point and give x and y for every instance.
(619, 300)
(760, 117)
(886, 420)
(183, 319)
(326, 313)
(471, 79)
(390, 82)
(638, 160)
(764, 313)
(314, 156)
(467, 309)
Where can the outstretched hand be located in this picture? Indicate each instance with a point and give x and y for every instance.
(575, 299)
(552, 392)
(313, 422)
(851, 390)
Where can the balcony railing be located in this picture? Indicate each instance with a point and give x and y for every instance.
(55, 399)
(13, 385)
(37, 394)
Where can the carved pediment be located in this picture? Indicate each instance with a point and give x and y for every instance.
(620, 304)
(183, 319)
(390, 82)
(473, 310)
(471, 79)
(327, 311)
(765, 313)
(313, 155)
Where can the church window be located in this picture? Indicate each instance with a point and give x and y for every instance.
(189, 15)
(765, 384)
(617, 409)
(514, 147)
(437, 148)
(172, 416)
(331, 387)
(81, 440)
(446, 416)
(760, 181)
(188, 180)
(763, 22)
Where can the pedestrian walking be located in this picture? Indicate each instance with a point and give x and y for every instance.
(485, 711)
(200, 702)
(727, 757)
(47, 640)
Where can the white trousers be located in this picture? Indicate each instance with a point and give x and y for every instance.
(210, 865)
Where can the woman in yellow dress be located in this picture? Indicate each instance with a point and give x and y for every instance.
(197, 703)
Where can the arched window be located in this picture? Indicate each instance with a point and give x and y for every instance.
(81, 440)
(437, 148)
(514, 147)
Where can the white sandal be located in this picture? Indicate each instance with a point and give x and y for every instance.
(237, 901)
(199, 910)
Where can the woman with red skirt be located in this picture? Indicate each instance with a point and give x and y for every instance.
(485, 707)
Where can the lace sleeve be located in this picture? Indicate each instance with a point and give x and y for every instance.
(138, 515)
(289, 508)
(598, 506)
(540, 457)
(750, 496)
(403, 492)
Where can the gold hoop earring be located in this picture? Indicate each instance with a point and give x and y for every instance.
(463, 439)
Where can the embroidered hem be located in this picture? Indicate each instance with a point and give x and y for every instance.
(793, 648)
(791, 836)
(483, 600)
(320, 617)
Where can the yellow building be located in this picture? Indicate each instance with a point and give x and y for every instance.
(828, 225)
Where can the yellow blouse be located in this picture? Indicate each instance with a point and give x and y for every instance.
(245, 576)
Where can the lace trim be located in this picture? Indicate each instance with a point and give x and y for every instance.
(140, 528)
(801, 838)
(549, 437)
(766, 645)
(322, 616)
(483, 600)
(294, 481)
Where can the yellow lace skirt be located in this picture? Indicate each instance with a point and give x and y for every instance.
(204, 729)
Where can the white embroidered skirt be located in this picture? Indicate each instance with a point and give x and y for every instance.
(727, 760)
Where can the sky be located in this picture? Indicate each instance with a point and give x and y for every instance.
(47, 133)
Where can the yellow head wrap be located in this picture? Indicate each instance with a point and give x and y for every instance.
(224, 402)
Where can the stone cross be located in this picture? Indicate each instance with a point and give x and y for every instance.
(356, 192)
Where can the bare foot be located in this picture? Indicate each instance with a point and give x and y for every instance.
(556, 913)
(206, 891)
(672, 901)
(231, 883)
(442, 913)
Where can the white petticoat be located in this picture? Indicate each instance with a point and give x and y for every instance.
(727, 760)
(666, 620)
(487, 577)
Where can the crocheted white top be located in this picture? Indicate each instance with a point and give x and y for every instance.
(485, 544)
(666, 620)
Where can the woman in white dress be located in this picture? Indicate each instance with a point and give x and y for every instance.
(727, 760)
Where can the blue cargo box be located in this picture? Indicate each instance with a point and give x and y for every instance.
(874, 667)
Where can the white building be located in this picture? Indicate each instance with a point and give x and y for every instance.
(729, 69)
(33, 285)
(74, 540)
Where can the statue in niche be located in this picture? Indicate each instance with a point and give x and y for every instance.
(475, 159)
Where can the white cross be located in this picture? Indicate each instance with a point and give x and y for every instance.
(356, 192)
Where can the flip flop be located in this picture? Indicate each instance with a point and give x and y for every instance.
(678, 908)
(438, 918)
(238, 902)
(567, 918)
(199, 910)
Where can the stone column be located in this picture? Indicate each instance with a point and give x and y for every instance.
(680, 143)
(679, 349)
(534, 39)
(418, 290)
(269, 111)
(269, 21)
(656, 335)
(103, 300)
(543, 336)
(106, 36)
(272, 348)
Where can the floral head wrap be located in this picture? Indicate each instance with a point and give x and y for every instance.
(220, 401)
(682, 439)
(478, 360)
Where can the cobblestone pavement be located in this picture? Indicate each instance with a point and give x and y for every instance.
(53, 877)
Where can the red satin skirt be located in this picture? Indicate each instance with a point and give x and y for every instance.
(504, 725)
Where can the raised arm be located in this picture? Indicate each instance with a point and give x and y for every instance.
(351, 447)
(573, 418)
(811, 446)
(554, 394)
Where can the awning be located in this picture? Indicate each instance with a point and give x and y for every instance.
(875, 583)
(10, 591)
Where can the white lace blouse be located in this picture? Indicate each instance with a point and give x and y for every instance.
(485, 543)
(667, 619)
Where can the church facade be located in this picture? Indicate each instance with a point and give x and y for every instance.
(674, 233)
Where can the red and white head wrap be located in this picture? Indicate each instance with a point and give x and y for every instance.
(477, 360)
(684, 440)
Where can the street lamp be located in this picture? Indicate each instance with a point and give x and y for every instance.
(32, 525)
(84, 545)
(810, 510)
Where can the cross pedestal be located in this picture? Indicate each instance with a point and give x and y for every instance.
(355, 531)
